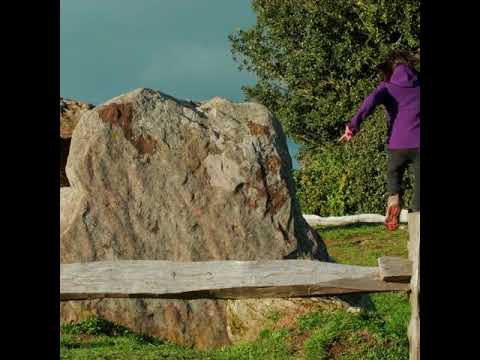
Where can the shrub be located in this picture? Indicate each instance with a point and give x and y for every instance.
(315, 62)
(349, 178)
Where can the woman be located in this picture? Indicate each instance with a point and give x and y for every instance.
(399, 92)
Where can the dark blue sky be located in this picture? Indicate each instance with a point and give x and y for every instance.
(180, 47)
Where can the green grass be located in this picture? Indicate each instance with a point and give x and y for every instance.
(364, 244)
(270, 345)
(379, 332)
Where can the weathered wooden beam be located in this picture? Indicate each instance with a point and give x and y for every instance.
(315, 220)
(395, 269)
(414, 256)
(217, 279)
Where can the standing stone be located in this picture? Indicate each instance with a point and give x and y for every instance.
(157, 178)
(70, 113)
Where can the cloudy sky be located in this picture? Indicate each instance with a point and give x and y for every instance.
(109, 47)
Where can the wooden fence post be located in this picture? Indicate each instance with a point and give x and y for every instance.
(414, 257)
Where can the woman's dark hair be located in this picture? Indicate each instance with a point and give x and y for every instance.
(395, 58)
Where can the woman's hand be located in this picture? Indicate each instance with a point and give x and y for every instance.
(347, 135)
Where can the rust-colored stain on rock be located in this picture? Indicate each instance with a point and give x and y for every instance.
(145, 145)
(121, 115)
(258, 130)
(252, 203)
(278, 199)
(273, 163)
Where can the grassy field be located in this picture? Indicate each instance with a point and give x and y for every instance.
(379, 332)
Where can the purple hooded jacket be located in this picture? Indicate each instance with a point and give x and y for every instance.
(401, 98)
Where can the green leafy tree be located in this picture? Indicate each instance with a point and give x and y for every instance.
(315, 62)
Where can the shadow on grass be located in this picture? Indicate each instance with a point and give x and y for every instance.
(82, 331)
(87, 345)
(360, 300)
(106, 341)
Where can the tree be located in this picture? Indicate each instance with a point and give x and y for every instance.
(315, 62)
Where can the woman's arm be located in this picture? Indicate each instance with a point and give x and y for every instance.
(374, 99)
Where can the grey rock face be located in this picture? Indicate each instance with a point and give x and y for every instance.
(153, 177)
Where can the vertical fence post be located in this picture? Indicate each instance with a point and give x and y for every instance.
(414, 257)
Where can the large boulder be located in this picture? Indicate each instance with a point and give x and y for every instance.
(70, 113)
(247, 317)
(157, 178)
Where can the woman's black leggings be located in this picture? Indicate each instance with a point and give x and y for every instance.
(398, 160)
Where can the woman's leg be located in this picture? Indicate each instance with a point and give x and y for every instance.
(397, 163)
(396, 166)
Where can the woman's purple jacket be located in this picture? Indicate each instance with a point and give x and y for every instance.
(401, 98)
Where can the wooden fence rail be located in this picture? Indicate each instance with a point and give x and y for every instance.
(223, 279)
(248, 279)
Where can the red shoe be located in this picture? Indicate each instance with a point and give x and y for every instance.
(393, 213)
